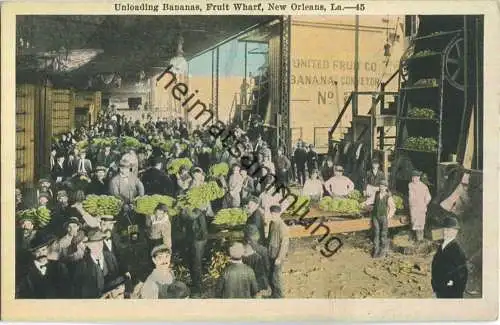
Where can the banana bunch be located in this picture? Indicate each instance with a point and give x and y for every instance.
(423, 53)
(220, 169)
(80, 145)
(200, 196)
(218, 263)
(421, 144)
(130, 142)
(425, 113)
(181, 273)
(231, 217)
(398, 201)
(174, 165)
(146, 204)
(300, 200)
(356, 195)
(28, 214)
(102, 142)
(345, 206)
(43, 216)
(100, 205)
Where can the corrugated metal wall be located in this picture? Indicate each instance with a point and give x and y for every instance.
(25, 133)
(274, 79)
(63, 111)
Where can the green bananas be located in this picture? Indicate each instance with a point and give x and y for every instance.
(421, 144)
(424, 113)
(100, 205)
(347, 206)
(146, 204)
(174, 165)
(231, 217)
(220, 169)
(200, 196)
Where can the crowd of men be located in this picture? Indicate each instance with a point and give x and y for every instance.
(78, 255)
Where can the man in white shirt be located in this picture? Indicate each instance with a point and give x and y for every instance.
(339, 185)
(313, 187)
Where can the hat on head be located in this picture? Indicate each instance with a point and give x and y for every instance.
(44, 180)
(72, 220)
(59, 154)
(125, 162)
(41, 239)
(115, 283)
(253, 199)
(44, 194)
(416, 173)
(375, 161)
(94, 235)
(160, 249)
(62, 193)
(100, 169)
(451, 222)
(109, 218)
(275, 209)
(162, 206)
(339, 168)
(384, 183)
(236, 251)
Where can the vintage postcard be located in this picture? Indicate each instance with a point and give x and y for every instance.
(263, 160)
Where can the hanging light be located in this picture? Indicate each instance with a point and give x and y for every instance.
(387, 49)
(178, 62)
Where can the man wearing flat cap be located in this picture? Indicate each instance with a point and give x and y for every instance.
(339, 185)
(69, 249)
(384, 209)
(44, 185)
(419, 198)
(45, 279)
(238, 279)
(96, 267)
(125, 185)
(278, 243)
(157, 283)
(449, 265)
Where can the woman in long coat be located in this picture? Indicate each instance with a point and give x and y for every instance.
(419, 199)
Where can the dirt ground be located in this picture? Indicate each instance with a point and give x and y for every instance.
(353, 273)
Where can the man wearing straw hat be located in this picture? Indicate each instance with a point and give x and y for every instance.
(449, 265)
(45, 279)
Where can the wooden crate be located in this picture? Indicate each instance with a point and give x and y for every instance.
(25, 134)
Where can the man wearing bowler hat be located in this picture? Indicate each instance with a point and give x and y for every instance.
(96, 267)
(99, 184)
(45, 279)
(449, 265)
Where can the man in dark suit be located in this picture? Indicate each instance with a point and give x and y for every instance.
(96, 268)
(238, 280)
(44, 279)
(196, 236)
(156, 181)
(59, 171)
(99, 184)
(449, 265)
(106, 158)
(256, 217)
(300, 159)
(113, 243)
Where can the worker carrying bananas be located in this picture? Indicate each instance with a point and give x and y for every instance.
(419, 198)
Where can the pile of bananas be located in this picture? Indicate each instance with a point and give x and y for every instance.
(174, 165)
(80, 145)
(425, 113)
(220, 169)
(101, 205)
(356, 195)
(39, 216)
(421, 144)
(146, 204)
(199, 196)
(431, 82)
(218, 263)
(102, 142)
(130, 142)
(291, 210)
(398, 201)
(231, 217)
(338, 205)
